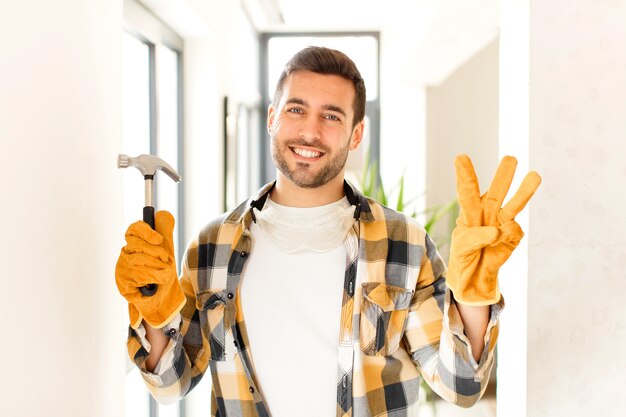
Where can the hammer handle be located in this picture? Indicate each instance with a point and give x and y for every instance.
(148, 217)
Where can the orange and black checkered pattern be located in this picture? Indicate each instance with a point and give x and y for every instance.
(399, 322)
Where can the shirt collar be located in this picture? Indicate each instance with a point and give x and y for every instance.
(244, 212)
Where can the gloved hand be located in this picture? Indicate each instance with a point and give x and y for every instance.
(148, 258)
(486, 233)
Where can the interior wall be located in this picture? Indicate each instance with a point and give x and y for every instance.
(60, 131)
(216, 65)
(577, 249)
(462, 118)
(574, 88)
(513, 276)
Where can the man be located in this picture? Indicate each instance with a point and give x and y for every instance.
(310, 299)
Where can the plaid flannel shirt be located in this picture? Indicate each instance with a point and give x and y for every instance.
(399, 322)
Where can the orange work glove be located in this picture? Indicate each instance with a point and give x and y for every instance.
(148, 258)
(486, 233)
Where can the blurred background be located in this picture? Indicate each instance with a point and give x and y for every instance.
(190, 80)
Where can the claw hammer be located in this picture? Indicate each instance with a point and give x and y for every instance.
(148, 166)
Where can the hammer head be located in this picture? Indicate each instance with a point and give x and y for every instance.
(148, 165)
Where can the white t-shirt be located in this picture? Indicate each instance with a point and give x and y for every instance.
(291, 296)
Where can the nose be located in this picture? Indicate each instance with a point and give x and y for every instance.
(309, 128)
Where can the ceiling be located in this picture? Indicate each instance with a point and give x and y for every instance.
(426, 39)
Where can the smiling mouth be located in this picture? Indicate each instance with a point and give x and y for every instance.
(306, 153)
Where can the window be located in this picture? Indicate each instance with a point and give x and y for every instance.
(152, 124)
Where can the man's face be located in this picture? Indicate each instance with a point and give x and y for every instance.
(311, 128)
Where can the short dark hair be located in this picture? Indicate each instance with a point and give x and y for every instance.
(326, 61)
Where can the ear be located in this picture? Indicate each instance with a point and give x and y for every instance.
(270, 118)
(357, 135)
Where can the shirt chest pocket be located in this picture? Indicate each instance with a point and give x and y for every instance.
(217, 312)
(384, 310)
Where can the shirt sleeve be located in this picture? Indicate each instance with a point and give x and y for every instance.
(183, 362)
(436, 340)
(167, 358)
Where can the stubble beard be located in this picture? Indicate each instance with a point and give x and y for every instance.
(301, 175)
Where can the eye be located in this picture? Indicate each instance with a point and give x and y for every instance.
(296, 110)
(332, 117)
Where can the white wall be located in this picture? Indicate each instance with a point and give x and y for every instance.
(577, 250)
(222, 63)
(60, 130)
(513, 140)
(462, 118)
(576, 283)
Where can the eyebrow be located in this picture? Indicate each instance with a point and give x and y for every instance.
(331, 107)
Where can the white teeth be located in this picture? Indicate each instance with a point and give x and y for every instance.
(306, 154)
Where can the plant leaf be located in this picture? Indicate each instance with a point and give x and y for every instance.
(400, 204)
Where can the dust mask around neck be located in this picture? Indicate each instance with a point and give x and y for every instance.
(301, 229)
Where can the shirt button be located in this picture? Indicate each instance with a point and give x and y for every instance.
(230, 295)
(252, 390)
(243, 254)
